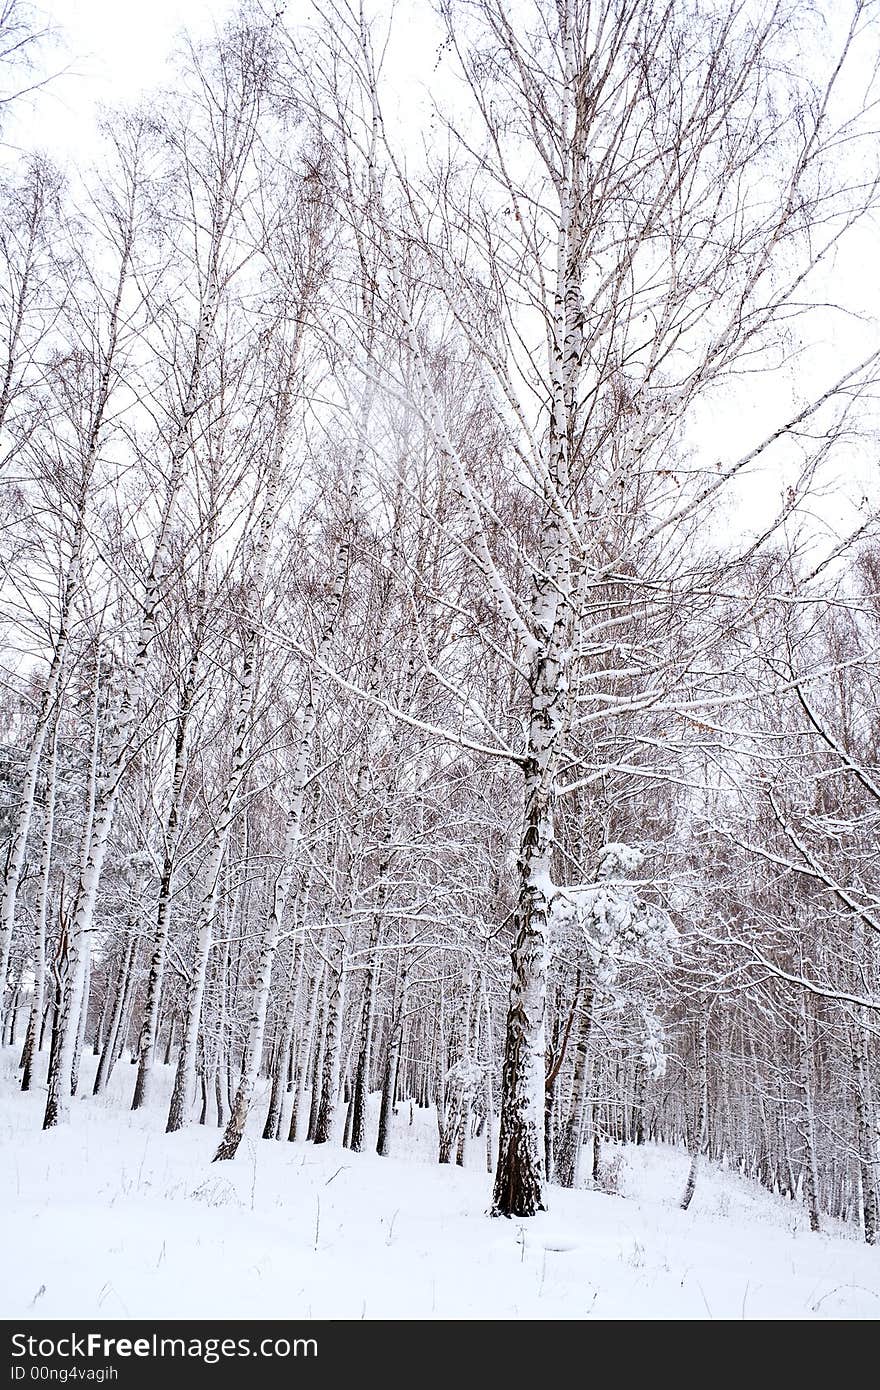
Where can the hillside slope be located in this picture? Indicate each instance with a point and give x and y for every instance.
(112, 1217)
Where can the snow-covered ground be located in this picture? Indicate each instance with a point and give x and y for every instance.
(112, 1217)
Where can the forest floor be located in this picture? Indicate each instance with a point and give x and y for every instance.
(110, 1216)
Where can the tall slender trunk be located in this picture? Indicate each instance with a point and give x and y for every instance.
(392, 1062)
(297, 1123)
(281, 1073)
(256, 1030)
(122, 996)
(317, 1067)
(21, 828)
(866, 1128)
(520, 1173)
(70, 590)
(83, 1022)
(330, 1068)
(292, 835)
(184, 1085)
(490, 1099)
(306, 727)
(338, 966)
(811, 1170)
(183, 1093)
(124, 724)
(702, 1115)
(156, 976)
(357, 1138)
(782, 1130)
(38, 1001)
(571, 1142)
(472, 1027)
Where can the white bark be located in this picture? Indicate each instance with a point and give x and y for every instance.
(701, 1118)
(185, 1077)
(70, 591)
(42, 907)
(125, 723)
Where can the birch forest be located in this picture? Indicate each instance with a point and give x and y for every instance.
(440, 593)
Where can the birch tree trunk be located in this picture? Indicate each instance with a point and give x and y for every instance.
(392, 1062)
(866, 1130)
(571, 1142)
(297, 1115)
(256, 1030)
(357, 1138)
(317, 1067)
(294, 822)
(112, 1040)
(155, 979)
(811, 1171)
(183, 1093)
(70, 591)
(702, 1115)
(520, 1174)
(38, 1001)
(125, 724)
(331, 1060)
(490, 1098)
(281, 1073)
(230, 103)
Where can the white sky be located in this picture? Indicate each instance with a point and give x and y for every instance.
(113, 50)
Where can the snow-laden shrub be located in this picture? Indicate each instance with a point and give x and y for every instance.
(466, 1073)
(621, 927)
(618, 923)
(654, 1043)
(619, 861)
(609, 1173)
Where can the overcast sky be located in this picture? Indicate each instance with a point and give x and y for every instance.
(112, 50)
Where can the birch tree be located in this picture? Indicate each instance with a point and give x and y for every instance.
(213, 165)
(614, 269)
